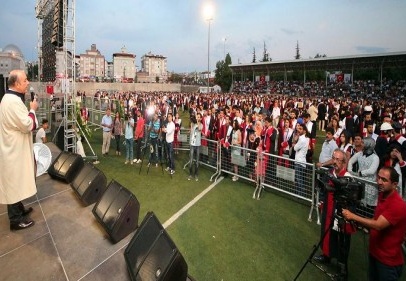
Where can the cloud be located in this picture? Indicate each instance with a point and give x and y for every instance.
(291, 31)
(371, 49)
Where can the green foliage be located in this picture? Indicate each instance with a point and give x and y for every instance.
(32, 70)
(83, 127)
(297, 56)
(317, 56)
(175, 78)
(119, 108)
(223, 75)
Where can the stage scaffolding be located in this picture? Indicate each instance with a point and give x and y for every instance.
(56, 39)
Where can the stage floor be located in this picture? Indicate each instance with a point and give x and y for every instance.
(66, 242)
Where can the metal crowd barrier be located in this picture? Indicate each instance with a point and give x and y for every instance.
(209, 157)
(265, 171)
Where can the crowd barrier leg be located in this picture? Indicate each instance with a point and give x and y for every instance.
(216, 175)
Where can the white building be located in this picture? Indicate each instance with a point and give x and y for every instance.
(124, 66)
(92, 64)
(153, 68)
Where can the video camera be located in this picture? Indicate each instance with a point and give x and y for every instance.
(348, 191)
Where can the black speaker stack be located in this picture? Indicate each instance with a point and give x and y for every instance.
(89, 184)
(151, 254)
(117, 211)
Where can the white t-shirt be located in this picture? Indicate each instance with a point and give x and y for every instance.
(170, 132)
(40, 134)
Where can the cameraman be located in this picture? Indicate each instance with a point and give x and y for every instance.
(387, 228)
(196, 128)
(337, 238)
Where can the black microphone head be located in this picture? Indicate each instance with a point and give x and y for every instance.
(32, 96)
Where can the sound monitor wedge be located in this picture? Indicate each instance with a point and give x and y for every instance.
(152, 255)
(89, 184)
(117, 211)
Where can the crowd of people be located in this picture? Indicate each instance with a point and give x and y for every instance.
(363, 137)
(346, 120)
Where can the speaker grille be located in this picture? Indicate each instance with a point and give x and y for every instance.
(117, 211)
(89, 184)
(152, 255)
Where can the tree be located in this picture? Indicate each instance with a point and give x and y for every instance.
(32, 71)
(265, 55)
(223, 75)
(317, 56)
(175, 78)
(297, 57)
(254, 57)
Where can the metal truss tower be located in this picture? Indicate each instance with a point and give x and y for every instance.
(56, 32)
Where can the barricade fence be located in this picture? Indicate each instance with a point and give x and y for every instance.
(264, 170)
(289, 176)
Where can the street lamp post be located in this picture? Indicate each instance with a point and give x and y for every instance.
(208, 15)
(208, 56)
(224, 48)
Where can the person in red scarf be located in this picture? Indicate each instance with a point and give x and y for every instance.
(336, 233)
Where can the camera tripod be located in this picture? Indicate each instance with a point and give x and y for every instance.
(160, 153)
(341, 275)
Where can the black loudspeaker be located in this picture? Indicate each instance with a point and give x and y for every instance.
(66, 166)
(89, 184)
(117, 211)
(152, 255)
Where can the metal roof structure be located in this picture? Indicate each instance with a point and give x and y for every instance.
(347, 63)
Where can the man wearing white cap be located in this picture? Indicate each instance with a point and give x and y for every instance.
(382, 141)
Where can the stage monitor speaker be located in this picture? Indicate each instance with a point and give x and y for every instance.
(152, 255)
(117, 211)
(66, 166)
(89, 184)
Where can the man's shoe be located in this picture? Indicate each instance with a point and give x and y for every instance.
(27, 211)
(167, 169)
(21, 225)
(172, 172)
(149, 164)
(322, 259)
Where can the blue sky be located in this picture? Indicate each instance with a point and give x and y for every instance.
(177, 28)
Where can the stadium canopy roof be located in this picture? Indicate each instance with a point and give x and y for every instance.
(347, 63)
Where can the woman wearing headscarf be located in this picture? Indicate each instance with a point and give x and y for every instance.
(368, 163)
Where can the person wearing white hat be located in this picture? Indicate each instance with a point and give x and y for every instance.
(383, 139)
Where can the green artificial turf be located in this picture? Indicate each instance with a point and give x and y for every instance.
(227, 235)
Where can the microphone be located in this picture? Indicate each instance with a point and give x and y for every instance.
(32, 94)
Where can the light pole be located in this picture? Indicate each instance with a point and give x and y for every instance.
(224, 48)
(208, 56)
(208, 15)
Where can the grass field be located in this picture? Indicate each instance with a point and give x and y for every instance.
(227, 235)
